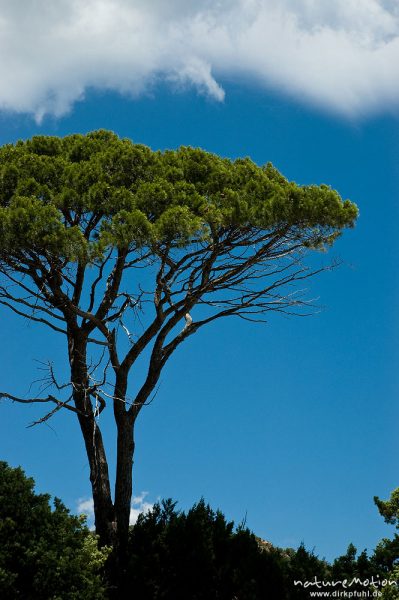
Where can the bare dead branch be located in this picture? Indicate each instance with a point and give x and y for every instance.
(49, 398)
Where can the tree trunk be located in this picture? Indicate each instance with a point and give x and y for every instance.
(104, 512)
(111, 519)
(123, 482)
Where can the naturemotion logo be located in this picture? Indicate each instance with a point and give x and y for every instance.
(342, 588)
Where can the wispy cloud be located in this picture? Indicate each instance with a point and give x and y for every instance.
(139, 505)
(341, 55)
(85, 506)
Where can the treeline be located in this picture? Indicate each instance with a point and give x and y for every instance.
(48, 554)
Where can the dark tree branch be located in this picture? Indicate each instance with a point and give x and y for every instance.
(31, 317)
(97, 280)
(49, 398)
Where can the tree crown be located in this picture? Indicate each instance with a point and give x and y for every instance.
(75, 197)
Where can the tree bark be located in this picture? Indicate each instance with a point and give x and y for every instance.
(123, 490)
(104, 512)
(111, 518)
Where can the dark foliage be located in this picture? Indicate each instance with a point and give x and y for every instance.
(386, 555)
(304, 565)
(48, 554)
(199, 555)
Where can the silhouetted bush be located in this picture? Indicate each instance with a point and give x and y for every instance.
(199, 555)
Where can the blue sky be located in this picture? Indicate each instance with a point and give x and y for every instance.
(292, 425)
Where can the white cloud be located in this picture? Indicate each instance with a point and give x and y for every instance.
(341, 55)
(139, 505)
(85, 506)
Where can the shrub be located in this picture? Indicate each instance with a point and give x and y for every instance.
(45, 553)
